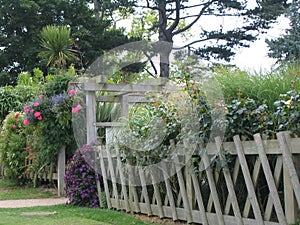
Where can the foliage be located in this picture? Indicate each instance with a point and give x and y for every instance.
(14, 98)
(81, 188)
(287, 47)
(13, 147)
(59, 82)
(287, 114)
(264, 88)
(22, 22)
(57, 46)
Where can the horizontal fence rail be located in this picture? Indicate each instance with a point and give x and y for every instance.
(255, 182)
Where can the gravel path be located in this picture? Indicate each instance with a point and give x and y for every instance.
(31, 202)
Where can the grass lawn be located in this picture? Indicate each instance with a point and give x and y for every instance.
(8, 191)
(66, 215)
(59, 214)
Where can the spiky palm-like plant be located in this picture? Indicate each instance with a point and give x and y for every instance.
(57, 46)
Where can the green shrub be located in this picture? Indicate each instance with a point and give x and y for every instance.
(13, 147)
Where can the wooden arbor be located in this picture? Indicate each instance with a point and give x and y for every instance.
(125, 94)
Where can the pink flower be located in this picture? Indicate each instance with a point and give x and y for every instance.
(72, 92)
(26, 122)
(36, 104)
(14, 126)
(37, 114)
(40, 117)
(31, 110)
(17, 115)
(26, 110)
(76, 109)
(41, 96)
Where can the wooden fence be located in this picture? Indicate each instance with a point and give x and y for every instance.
(259, 185)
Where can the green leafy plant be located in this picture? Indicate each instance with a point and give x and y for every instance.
(13, 147)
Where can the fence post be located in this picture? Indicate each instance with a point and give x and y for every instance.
(61, 168)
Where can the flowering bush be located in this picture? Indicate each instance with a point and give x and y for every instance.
(81, 188)
(49, 126)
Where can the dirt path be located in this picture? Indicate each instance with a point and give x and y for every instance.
(31, 202)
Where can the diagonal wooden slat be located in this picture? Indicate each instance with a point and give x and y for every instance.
(123, 182)
(199, 198)
(183, 192)
(248, 180)
(284, 139)
(133, 196)
(113, 178)
(157, 195)
(169, 192)
(277, 175)
(255, 174)
(144, 190)
(213, 188)
(236, 169)
(229, 184)
(104, 175)
(270, 180)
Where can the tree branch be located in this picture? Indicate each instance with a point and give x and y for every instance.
(177, 17)
(196, 19)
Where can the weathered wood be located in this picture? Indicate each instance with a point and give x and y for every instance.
(104, 175)
(120, 168)
(248, 181)
(229, 184)
(213, 189)
(277, 175)
(169, 192)
(157, 196)
(109, 124)
(186, 205)
(91, 116)
(134, 199)
(198, 194)
(113, 178)
(270, 180)
(255, 174)
(61, 170)
(290, 177)
(130, 88)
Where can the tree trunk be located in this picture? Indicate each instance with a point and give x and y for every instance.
(164, 36)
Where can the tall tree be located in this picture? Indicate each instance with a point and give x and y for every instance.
(287, 47)
(21, 23)
(218, 43)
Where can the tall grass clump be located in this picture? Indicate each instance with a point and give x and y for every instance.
(264, 88)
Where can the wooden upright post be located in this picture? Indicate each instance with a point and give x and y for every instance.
(61, 168)
(91, 116)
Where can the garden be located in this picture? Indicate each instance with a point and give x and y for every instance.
(37, 122)
(121, 120)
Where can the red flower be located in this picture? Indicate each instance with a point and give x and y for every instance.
(17, 115)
